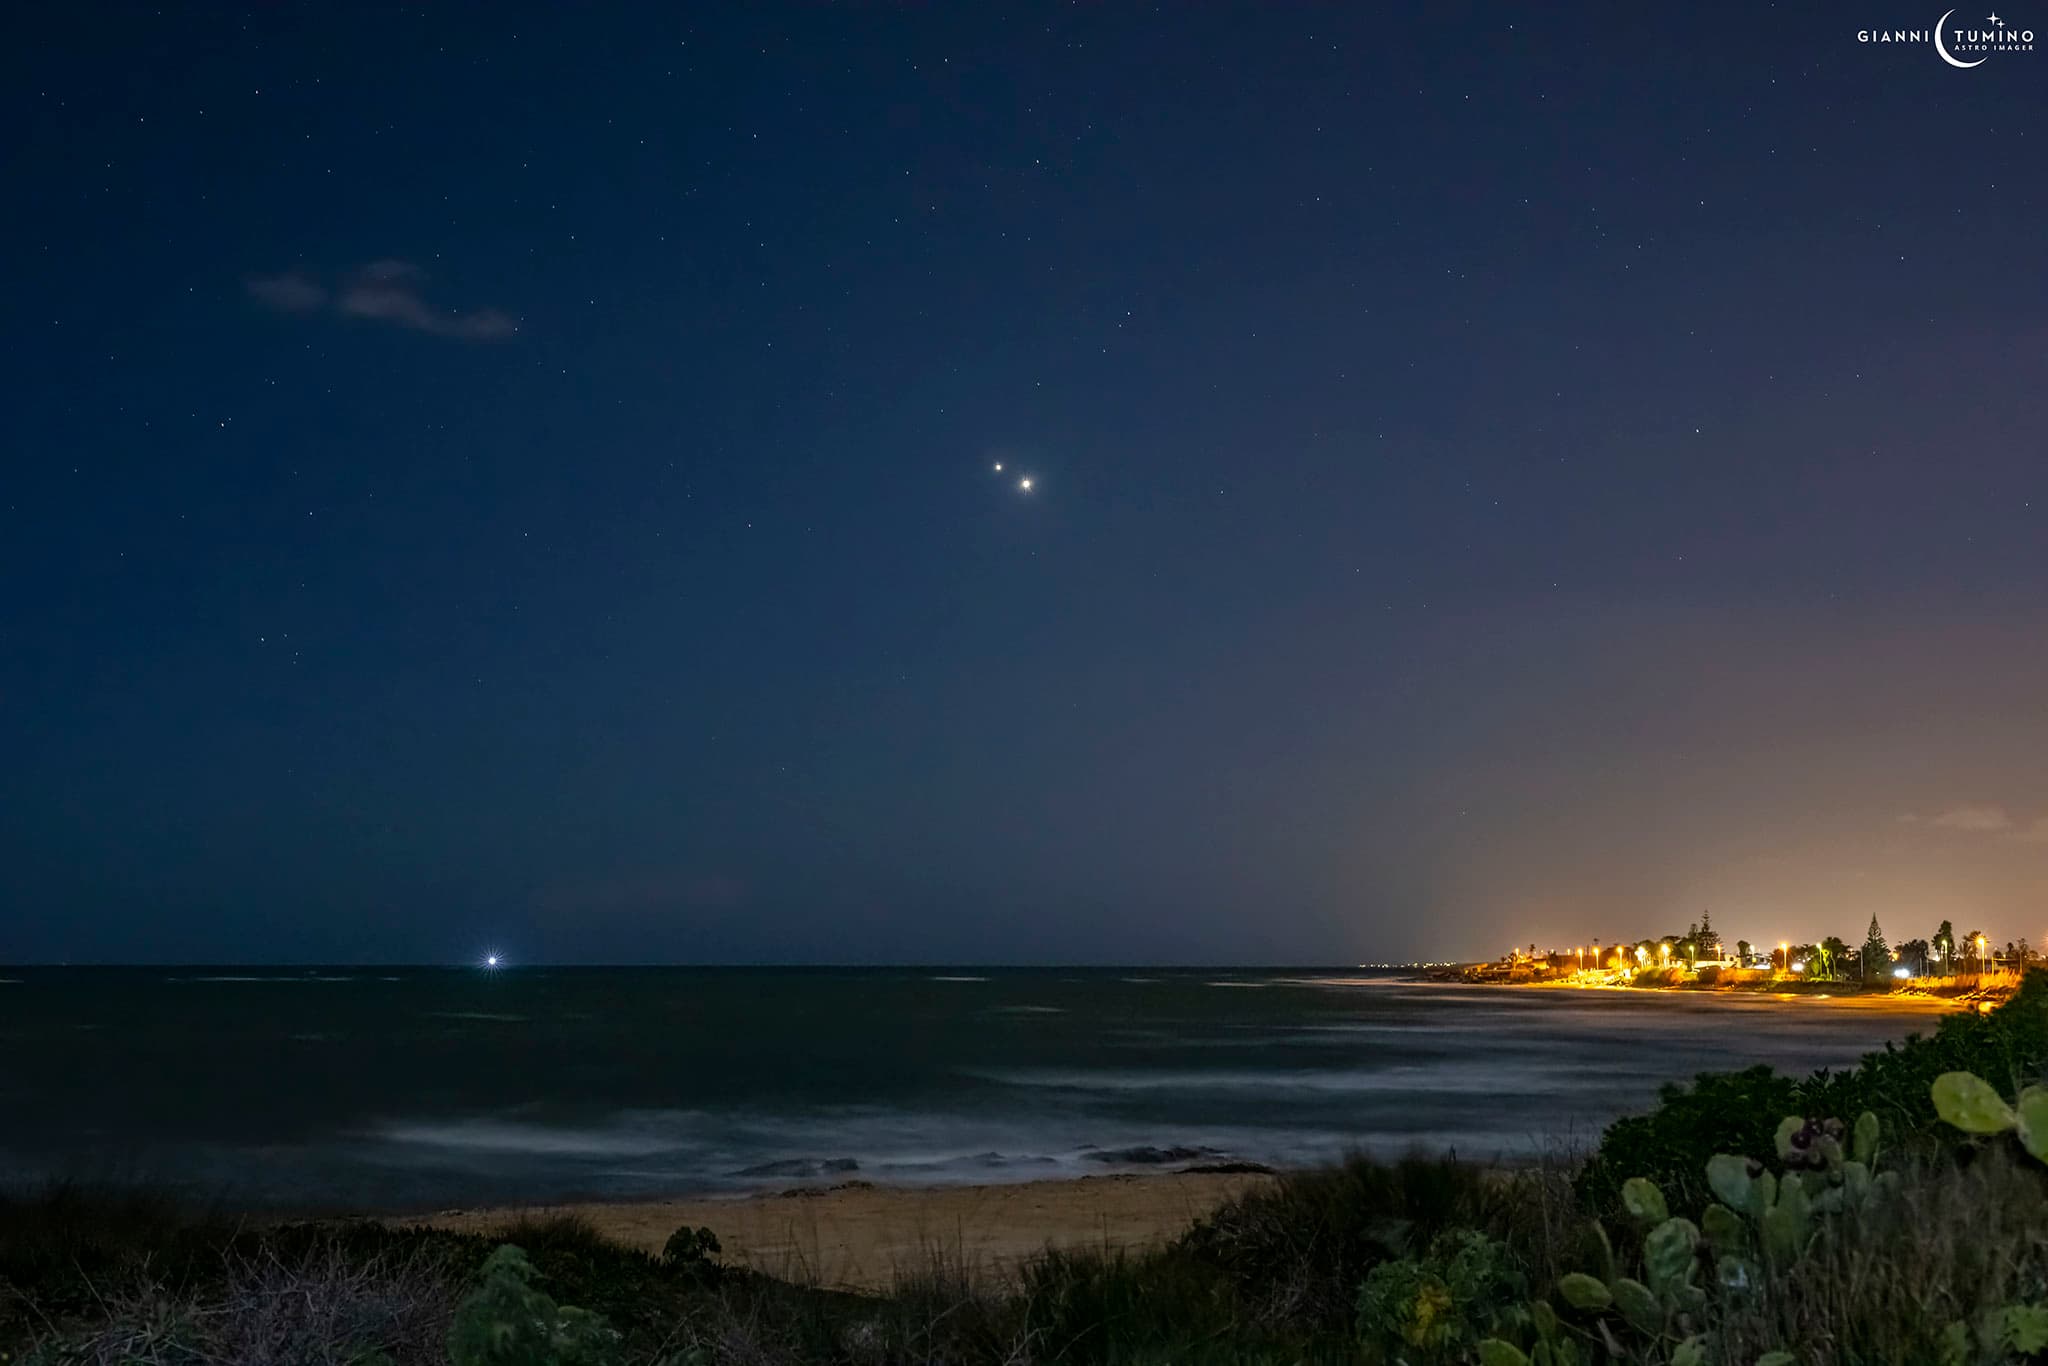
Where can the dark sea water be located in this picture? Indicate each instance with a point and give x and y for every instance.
(390, 1088)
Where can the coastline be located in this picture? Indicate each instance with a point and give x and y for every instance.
(1774, 992)
(1941, 999)
(863, 1236)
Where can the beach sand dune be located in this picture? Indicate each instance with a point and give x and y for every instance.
(861, 1237)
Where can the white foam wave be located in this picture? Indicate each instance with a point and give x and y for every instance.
(270, 977)
(505, 1136)
(1410, 1080)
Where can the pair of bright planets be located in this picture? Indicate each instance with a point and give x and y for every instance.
(1023, 485)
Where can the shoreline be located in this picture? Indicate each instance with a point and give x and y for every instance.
(863, 1236)
(1772, 992)
(1831, 993)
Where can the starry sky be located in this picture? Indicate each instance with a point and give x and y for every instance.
(522, 477)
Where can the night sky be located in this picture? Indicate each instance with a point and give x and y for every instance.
(523, 478)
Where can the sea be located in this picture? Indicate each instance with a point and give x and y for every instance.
(390, 1089)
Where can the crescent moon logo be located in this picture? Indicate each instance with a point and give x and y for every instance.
(1942, 48)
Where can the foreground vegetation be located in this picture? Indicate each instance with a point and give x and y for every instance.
(1893, 1213)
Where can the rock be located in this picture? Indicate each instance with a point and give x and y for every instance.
(808, 1192)
(801, 1166)
(1146, 1155)
(1232, 1168)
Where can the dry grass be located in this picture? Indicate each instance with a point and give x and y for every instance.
(328, 1308)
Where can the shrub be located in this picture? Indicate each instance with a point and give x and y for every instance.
(1736, 1112)
(1721, 1112)
(1297, 1250)
(1116, 1307)
(507, 1321)
(1927, 1263)
(1437, 1307)
(691, 1251)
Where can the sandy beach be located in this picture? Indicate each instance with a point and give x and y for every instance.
(859, 1236)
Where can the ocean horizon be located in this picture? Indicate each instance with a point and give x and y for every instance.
(388, 1088)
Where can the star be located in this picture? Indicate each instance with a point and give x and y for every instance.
(1994, 19)
(999, 467)
(1024, 484)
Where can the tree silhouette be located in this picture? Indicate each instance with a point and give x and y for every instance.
(1914, 953)
(1706, 940)
(1877, 954)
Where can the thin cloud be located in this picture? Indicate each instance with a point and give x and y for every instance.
(1982, 818)
(382, 291)
(2037, 833)
(291, 292)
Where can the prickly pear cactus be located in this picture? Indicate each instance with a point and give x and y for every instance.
(2032, 1113)
(1971, 1104)
(1644, 1202)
